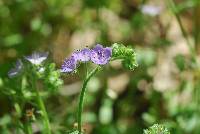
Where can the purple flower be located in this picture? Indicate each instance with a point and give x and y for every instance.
(16, 70)
(97, 55)
(83, 55)
(69, 65)
(37, 58)
(100, 55)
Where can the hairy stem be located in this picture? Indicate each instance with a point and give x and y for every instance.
(47, 128)
(44, 114)
(81, 98)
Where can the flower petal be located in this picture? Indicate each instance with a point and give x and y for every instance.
(69, 65)
(37, 58)
(12, 73)
(108, 52)
(83, 55)
(16, 70)
(100, 55)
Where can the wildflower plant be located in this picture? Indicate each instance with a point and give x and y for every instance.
(30, 73)
(34, 72)
(100, 56)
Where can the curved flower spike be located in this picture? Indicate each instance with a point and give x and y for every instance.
(100, 55)
(16, 70)
(69, 65)
(83, 55)
(157, 129)
(37, 58)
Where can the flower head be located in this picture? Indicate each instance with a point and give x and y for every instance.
(37, 58)
(100, 55)
(126, 54)
(69, 65)
(16, 70)
(83, 55)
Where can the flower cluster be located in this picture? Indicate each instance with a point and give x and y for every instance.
(98, 55)
(46, 72)
(36, 59)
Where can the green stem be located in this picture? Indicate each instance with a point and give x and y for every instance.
(44, 113)
(184, 33)
(197, 25)
(81, 98)
(28, 128)
(18, 111)
(46, 123)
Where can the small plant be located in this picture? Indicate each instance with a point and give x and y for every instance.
(156, 129)
(99, 56)
(30, 74)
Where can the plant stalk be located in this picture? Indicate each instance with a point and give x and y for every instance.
(197, 25)
(46, 123)
(184, 33)
(28, 128)
(18, 111)
(81, 98)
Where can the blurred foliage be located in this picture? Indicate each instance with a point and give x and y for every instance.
(163, 89)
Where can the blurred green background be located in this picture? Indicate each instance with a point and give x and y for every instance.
(164, 88)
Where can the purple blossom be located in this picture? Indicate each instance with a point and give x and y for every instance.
(16, 70)
(100, 55)
(69, 65)
(83, 55)
(97, 55)
(37, 58)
